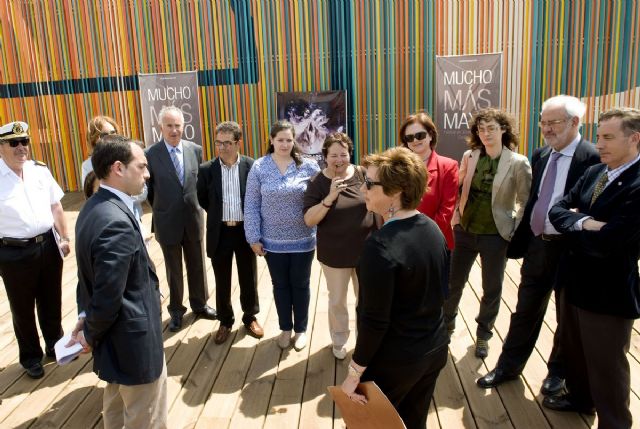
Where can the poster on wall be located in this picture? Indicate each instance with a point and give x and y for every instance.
(314, 115)
(170, 89)
(464, 85)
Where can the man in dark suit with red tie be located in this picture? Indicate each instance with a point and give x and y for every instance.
(601, 216)
(556, 168)
(221, 187)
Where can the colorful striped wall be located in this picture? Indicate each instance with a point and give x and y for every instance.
(64, 61)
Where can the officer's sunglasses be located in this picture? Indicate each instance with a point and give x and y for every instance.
(15, 143)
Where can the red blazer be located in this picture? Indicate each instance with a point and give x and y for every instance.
(439, 201)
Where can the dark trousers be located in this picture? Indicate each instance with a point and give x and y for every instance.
(409, 386)
(493, 256)
(595, 347)
(290, 273)
(537, 280)
(232, 241)
(33, 275)
(196, 276)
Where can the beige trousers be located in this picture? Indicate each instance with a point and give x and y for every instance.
(338, 286)
(143, 406)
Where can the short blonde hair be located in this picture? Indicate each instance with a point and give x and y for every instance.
(400, 170)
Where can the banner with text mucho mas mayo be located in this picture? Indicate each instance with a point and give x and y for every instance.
(464, 85)
(170, 89)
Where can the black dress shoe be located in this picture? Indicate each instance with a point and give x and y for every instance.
(564, 403)
(175, 324)
(494, 378)
(207, 313)
(552, 385)
(35, 370)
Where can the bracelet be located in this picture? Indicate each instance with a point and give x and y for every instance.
(324, 205)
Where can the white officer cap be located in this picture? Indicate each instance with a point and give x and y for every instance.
(14, 130)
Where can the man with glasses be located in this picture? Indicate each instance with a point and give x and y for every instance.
(30, 260)
(599, 274)
(557, 166)
(221, 188)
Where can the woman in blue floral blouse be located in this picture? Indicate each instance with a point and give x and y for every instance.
(274, 227)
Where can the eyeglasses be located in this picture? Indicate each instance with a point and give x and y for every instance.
(489, 129)
(224, 144)
(370, 183)
(408, 138)
(553, 123)
(15, 143)
(107, 133)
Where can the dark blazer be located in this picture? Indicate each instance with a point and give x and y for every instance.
(209, 188)
(118, 290)
(600, 270)
(175, 207)
(585, 156)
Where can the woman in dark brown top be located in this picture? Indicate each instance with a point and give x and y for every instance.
(335, 203)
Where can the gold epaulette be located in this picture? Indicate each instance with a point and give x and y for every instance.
(40, 163)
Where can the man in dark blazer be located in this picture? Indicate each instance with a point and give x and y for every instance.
(221, 187)
(556, 168)
(601, 216)
(177, 218)
(119, 294)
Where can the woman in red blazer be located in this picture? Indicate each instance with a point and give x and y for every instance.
(419, 134)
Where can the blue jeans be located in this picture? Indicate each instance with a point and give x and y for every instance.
(290, 273)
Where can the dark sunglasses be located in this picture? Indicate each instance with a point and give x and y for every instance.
(408, 138)
(15, 143)
(370, 183)
(107, 133)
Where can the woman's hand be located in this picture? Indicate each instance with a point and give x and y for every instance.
(349, 386)
(337, 186)
(258, 249)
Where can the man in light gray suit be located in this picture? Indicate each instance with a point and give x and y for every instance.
(177, 217)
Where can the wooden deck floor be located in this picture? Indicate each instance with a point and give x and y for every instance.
(249, 383)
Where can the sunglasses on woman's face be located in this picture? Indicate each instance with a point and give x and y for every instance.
(107, 133)
(370, 183)
(15, 143)
(408, 138)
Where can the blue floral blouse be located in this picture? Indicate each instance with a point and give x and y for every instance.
(273, 206)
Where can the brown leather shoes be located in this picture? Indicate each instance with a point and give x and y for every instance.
(222, 334)
(254, 329)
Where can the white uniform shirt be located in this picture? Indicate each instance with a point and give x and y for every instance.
(25, 205)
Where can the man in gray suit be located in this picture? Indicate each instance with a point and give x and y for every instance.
(177, 217)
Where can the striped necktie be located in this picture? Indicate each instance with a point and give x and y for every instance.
(177, 165)
(599, 187)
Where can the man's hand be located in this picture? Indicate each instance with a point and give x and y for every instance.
(77, 336)
(592, 225)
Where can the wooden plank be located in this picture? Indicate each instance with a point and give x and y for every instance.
(317, 406)
(226, 365)
(285, 403)
(250, 383)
